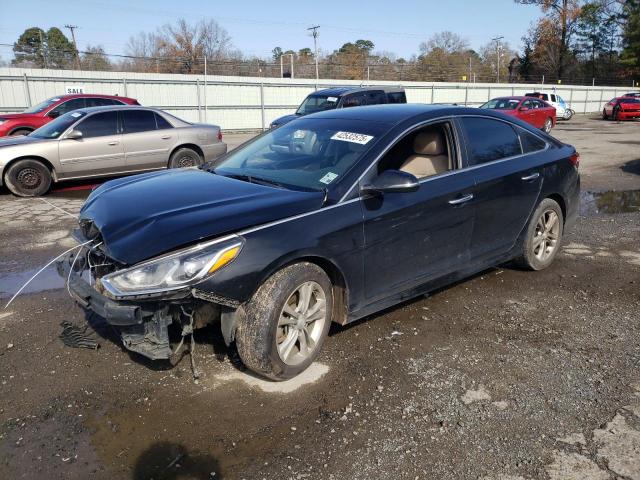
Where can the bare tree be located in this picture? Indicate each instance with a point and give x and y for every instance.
(446, 41)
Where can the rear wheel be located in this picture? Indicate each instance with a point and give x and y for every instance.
(185, 157)
(20, 132)
(547, 125)
(28, 178)
(543, 236)
(286, 322)
(568, 114)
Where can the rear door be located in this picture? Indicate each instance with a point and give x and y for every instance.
(98, 152)
(529, 115)
(145, 145)
(508, 182)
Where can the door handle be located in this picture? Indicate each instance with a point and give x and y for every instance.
(113, 143)
(165, 137)
(458, 201)
(533, 176)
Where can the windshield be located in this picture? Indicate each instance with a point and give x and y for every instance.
(630, 100)
(317, 103)
(42, 106)
(306, 154)
(57, 127)
(502, 104)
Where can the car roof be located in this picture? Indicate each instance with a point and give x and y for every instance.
(339, 91)
(114, 107)
(390, 113)
(512, 97)
(90, 95)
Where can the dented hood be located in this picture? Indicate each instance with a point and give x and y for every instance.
(146, 215)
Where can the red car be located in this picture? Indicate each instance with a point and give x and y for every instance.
(622, 108)
(531, 110)
(36, 116)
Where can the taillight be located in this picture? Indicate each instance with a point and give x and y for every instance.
(219, 135)
(575, 159)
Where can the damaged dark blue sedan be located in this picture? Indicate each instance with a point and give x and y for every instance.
(329, 218)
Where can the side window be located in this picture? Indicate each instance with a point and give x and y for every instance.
(544, 97)
(99, 125)
(528, 104)
(355, 100)
(423, 153)
(489, 140)
(376, 98)
(98, 102)
(396, 97)
(553, 98)
(138, 121)
(69, 105)
(540, 104)
(161, 123)
(530, 142)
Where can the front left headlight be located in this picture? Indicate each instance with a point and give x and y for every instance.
(174, 271)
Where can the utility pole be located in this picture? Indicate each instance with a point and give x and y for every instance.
(292, 76)
(43, 52)
(315, 45)
(72, 28)
(498, 51)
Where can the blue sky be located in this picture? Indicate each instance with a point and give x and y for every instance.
(257, 26)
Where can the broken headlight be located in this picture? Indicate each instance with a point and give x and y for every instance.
(174, 271)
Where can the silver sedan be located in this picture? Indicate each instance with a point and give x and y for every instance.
(101, 141)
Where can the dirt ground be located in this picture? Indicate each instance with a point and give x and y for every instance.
(510, 375)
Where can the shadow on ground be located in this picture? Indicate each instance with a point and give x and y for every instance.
(169, 461)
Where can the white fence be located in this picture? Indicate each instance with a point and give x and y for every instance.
(251, 103)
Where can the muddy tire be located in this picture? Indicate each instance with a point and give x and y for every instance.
(286, 322)
(185, 157)
(28, 178)
(20, 132)
(543, 236)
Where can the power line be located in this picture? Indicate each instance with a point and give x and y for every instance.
(315, 44)
(72, 28)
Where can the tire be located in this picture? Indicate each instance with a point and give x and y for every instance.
(20, 132)
(604, 115)
(541, 245)
(184, 158)
(28, 178)
(548, 124)
(265, 344)
(568, 114)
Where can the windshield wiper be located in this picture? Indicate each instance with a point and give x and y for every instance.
(258, 180)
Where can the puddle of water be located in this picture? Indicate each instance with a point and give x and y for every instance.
(48, 279)
(610, 202)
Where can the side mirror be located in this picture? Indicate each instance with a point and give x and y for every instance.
(53, 114)
(74, 135)
(391, 181)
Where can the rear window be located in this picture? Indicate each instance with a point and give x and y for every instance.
(489, 140)
(161, 123)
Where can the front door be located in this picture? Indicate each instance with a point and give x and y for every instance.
(508, 182)
(413, 237)
(99, 150)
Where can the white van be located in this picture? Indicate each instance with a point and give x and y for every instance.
(563, 109)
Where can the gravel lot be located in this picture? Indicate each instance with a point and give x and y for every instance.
(510, 375)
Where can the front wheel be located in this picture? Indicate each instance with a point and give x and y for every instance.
(616, 114)
(568, 114)
(28, 178)
(548, 124)
(543, 236)
(286, 322)
(604, 115)
(21, 132)
(185, 157)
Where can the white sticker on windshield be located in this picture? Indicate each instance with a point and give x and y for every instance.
(332, 99)
(328, 178)
(352, 137)
(76, 115)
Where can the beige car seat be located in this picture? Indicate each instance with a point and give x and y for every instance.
(430, 155)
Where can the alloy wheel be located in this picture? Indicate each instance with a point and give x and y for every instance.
(547, 125)
(545, 240)
(301, 323)
(187, 161)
